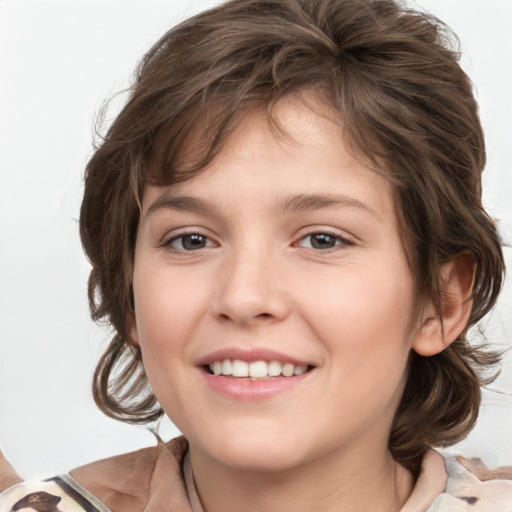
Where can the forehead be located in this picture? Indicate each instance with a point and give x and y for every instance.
(298, 150)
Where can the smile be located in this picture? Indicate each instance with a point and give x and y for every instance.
(255, 369)
(254, 373)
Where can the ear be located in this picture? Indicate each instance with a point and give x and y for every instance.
(435, 333)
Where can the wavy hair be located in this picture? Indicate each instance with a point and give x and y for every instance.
(393, 77)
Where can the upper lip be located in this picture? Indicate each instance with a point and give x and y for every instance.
(249, 354)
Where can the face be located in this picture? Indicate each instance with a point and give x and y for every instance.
(273, 299)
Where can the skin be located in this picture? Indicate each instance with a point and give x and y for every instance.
(260, 279)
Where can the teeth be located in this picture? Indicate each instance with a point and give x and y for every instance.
(274, 368)
(217, 368)
(288, 369)
(227, 367)
(300, 369)
(256, 369)
(240, 368)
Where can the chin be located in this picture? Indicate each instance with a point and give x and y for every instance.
(262, 452)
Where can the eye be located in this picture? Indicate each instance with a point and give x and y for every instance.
(188, 242)
(323, 241)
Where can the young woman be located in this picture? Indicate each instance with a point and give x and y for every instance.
(286, 233)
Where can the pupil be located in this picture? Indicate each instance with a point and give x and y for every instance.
(323, 241)
(192, 242)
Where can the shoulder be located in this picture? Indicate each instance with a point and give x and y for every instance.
(472, 487)
(8, 477)
(455, 484)
(130, 481)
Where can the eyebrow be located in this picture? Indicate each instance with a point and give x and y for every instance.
(183, 203)
(311, 202)
(292, 204)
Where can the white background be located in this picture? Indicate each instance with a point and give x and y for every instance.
(58, 61)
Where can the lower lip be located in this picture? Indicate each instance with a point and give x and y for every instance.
(251, 390)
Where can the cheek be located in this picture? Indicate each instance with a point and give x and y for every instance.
(167, 310)
(168, 306)
(363, 318)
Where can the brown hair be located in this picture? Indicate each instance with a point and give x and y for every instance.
(393, 76)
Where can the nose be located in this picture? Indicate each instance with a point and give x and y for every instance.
(251, 289)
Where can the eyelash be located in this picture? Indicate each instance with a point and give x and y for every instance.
(168, 244)
(339, 241)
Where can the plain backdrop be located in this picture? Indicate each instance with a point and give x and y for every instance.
(59, 60)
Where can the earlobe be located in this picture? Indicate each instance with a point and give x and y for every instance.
(436, 333)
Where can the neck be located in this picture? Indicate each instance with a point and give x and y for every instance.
(338, 481)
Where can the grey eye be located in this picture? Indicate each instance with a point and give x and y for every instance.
(320, 241)
(189, 242)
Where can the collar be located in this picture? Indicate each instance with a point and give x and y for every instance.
(431, 483)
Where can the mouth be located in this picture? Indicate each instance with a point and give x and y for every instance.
(255, 370)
